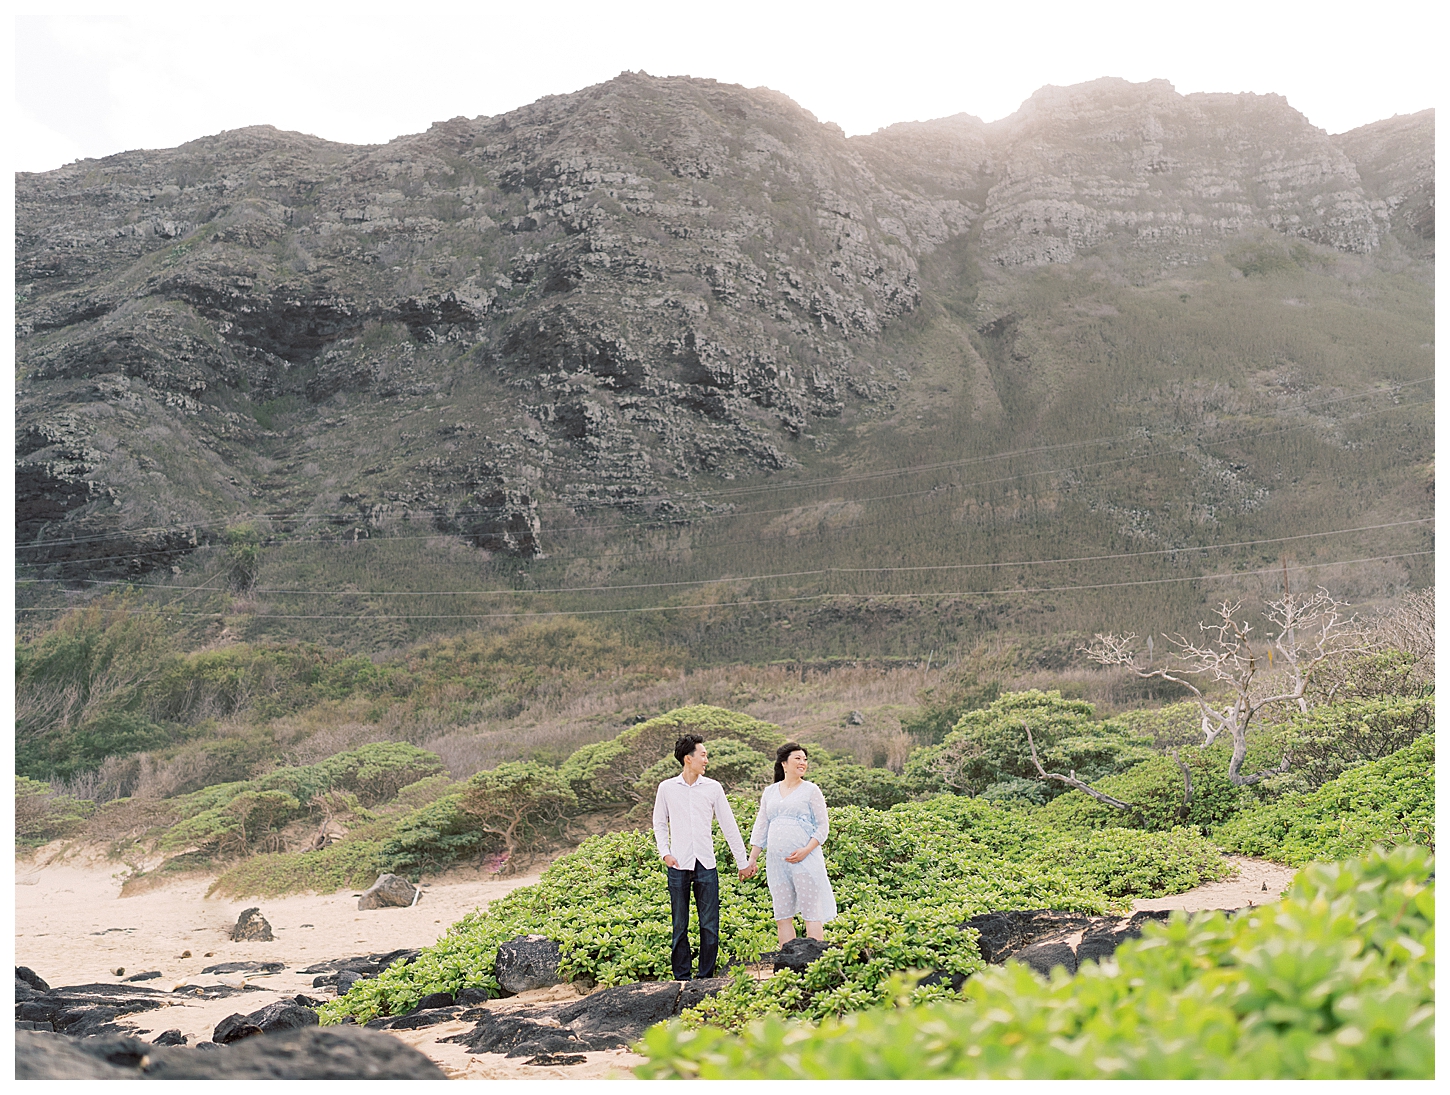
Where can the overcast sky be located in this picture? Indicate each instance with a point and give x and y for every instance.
(98, 78)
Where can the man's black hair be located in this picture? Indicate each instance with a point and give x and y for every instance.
(686, 745)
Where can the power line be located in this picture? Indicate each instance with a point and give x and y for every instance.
(786, 600)
(760, 577)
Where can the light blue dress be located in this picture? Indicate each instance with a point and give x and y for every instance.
(783, 825)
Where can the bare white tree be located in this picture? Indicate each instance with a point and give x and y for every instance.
(1304, 631)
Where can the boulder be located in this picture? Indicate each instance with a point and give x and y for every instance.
(1045, 939)
(418, 1018)
(85, 1009)
(390, 891)
(31, 978)
(797, 954)
(252, 927)
(1001, 934)
(234, 1028)
(609, 1019)
(344, 980)
(434, 1000)
(169, 1038)
(43, 1056)
(528, 962)
(280, 1016)
(1044, 957)
(283, 1015)
(149, 975)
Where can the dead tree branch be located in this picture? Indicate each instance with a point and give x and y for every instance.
(1071, 778)
(1306, 631)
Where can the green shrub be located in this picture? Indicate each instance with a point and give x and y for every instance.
(1155, 790)
(433, 837)
(942, 707)
(348, 864)
(845, 784)
(377, 772)
(42, 815)
(903, 875)
(989, 746)
(1389, 801)
(94, 662)
(233, 828)
(1335, 981)
(733, 763)
(517, 802)
(608, 773)
(1332, 738)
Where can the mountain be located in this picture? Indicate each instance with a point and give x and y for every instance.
(664, 329)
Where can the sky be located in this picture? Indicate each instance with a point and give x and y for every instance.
(93, 79)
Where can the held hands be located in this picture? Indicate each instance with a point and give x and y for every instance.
(748, 871)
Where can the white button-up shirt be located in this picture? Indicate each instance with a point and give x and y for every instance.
(683, 815)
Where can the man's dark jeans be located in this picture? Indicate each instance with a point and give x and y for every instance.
(705, 882)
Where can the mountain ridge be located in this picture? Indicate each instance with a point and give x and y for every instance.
(599, 302)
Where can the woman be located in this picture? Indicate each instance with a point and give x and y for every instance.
(792, 826)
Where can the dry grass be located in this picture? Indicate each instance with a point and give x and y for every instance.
(808, 704)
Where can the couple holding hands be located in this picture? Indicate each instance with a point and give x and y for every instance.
(791, 826)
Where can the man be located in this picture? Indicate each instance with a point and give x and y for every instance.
(685, 808)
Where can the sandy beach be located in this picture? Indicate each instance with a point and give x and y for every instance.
(72, 926)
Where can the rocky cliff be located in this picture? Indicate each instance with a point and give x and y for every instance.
(599, 302)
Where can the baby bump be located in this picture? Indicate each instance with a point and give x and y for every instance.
(786, 834)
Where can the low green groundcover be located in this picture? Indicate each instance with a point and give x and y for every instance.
(904, 879)
(1336, 981)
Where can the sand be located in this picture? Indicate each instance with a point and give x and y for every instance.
(1253, 882)
(72, 926)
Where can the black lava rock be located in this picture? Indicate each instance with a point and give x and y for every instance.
(529, 962)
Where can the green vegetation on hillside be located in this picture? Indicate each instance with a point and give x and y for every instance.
(1335, 981)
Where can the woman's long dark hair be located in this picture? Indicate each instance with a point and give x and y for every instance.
(780, 758)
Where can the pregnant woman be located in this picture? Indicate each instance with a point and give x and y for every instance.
(792, 826)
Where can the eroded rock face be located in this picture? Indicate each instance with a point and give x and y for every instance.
(593, 300)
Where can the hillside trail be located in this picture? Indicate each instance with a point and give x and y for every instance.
(72, 926)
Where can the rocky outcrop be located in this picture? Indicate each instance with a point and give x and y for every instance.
(347, 971)
(797, 954)
(1044, 939)
(97, 1009)
(390, 891)
(1396, 163)
(588, 303)
(331, 1053)
(607, 1019)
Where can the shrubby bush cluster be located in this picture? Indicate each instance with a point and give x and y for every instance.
(1389, 801)
(1335, 981)
(904, 878)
